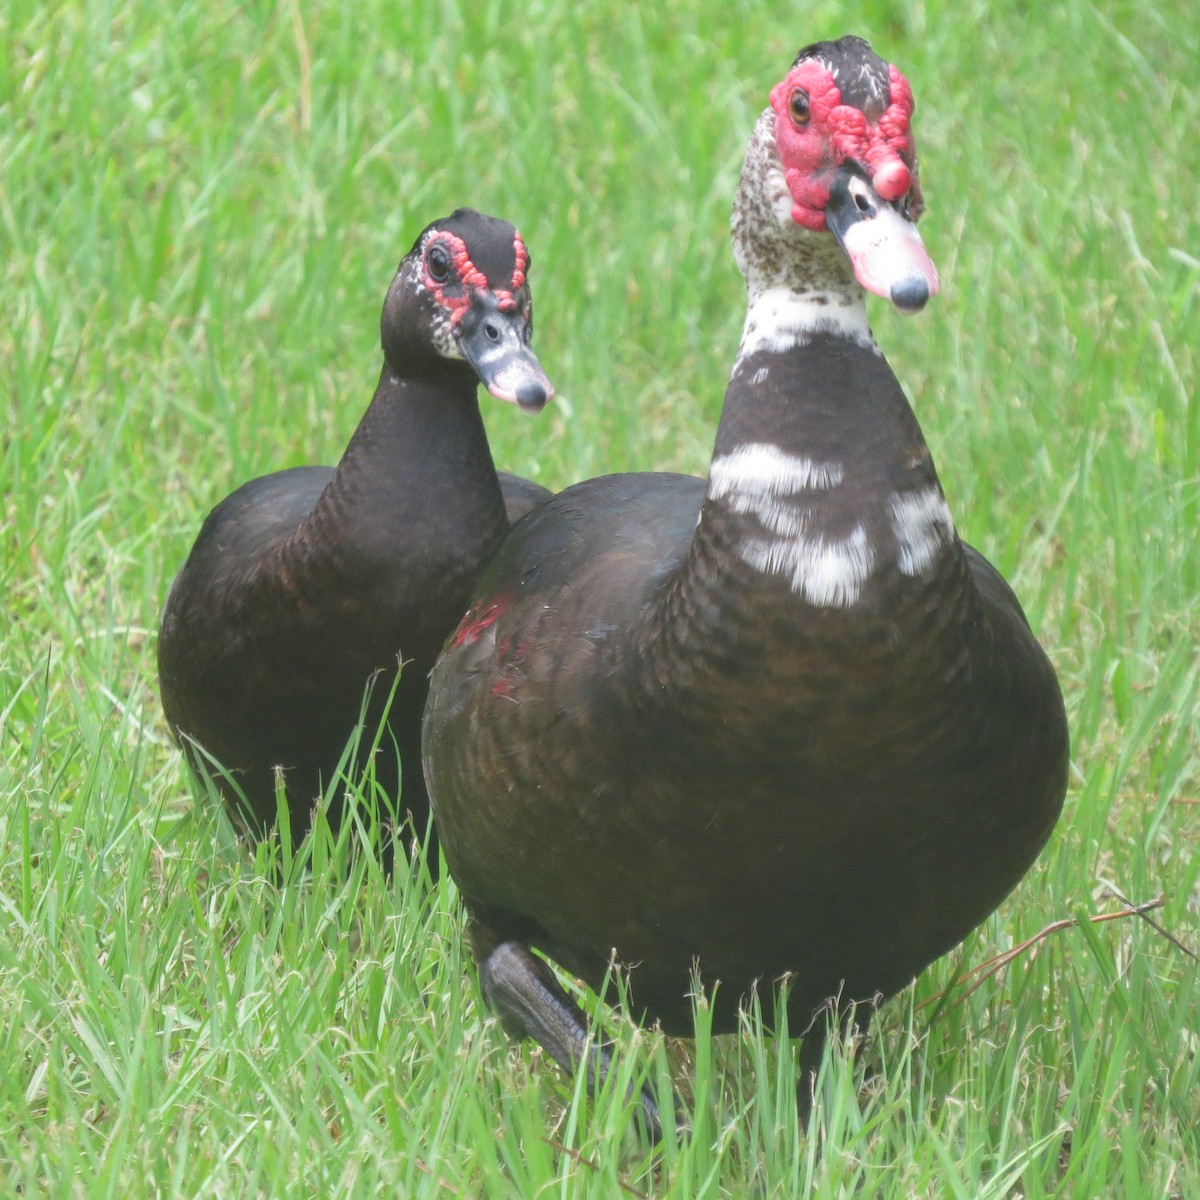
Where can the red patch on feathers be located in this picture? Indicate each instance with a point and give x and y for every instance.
(478, 619)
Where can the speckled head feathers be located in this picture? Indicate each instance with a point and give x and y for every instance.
(840, 107)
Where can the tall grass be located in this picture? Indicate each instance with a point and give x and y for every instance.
(200, 209)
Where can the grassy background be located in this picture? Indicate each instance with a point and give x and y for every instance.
(201, 205)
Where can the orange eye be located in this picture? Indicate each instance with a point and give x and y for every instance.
(799, 107)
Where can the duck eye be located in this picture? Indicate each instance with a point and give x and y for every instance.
(799, 107)
(438, 261)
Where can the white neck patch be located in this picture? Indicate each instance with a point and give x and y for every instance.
(761, 471)
(827, 574)
(923, 526)
(760, 480)
(779, 319)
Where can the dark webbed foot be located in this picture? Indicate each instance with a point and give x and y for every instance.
(531, 1003)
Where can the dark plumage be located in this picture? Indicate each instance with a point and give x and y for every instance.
(306, 584)
(779, 723)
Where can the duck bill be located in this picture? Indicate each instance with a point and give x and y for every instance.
(496, 345)
(886, 251)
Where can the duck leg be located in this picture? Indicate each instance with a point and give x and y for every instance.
(531, 1003)
(850, 1022)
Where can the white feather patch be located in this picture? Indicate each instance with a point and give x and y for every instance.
(923, 527)
(761, 470)
(761, 480)
(779, 319)
(826, 574)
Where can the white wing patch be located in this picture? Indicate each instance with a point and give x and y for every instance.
(923, 527)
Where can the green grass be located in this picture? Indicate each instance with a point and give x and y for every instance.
(200, 209)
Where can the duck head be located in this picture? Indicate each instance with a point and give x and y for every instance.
(834, 154)
(462, 295)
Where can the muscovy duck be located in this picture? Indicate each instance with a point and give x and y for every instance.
(305, 585)
(781, 723)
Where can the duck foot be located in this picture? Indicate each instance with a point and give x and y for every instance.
(522, 990)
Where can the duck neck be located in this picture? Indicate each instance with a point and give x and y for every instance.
(822, 489)
(824, 522)
(819, 461)
(417, 466)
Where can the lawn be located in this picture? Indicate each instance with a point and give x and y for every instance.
(201, 206)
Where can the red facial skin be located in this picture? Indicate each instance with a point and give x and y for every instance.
(812, 152)
(454, 292)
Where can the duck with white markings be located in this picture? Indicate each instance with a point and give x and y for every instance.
(779, 724)
(310, 587)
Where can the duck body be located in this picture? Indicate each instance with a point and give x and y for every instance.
(311, 593)
(777, 724)
(720, 776)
